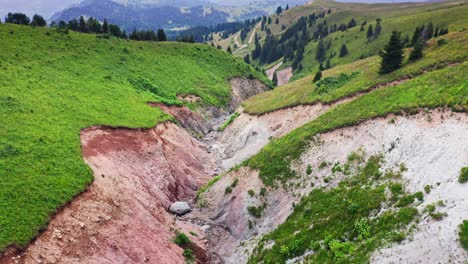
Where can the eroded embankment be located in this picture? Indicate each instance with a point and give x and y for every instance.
(433, 147)
(123, 216)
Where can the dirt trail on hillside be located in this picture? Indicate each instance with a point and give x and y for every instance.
(252, 36)
(283, 75)
(434, 147)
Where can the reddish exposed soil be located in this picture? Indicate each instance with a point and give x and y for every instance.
(122, 218)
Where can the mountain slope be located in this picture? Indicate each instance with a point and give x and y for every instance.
(53, 85)
(403, 17)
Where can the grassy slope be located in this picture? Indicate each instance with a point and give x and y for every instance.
(303, 91)
(446, 87)
(356, 41)
(53, 85)
(402, 16)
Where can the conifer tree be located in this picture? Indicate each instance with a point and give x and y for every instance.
(343, 51)
(429, 32)
(162, 35)
(417, 51)
(82, 25)
(38, 21)
(275, 79)
(328, 65)
(321, 51)
(229, 50)
(370, 32)
(416, 36)
(392, 54)
(317, 76)
(105, 26)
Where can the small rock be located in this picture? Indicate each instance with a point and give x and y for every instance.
(180, 208)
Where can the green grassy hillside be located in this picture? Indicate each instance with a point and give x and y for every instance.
(52, 85)
(403, 17)
(304, 91)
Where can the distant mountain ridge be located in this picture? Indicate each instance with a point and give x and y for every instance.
(170, 15)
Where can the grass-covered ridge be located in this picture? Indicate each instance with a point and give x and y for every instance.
(344, 224)
(447, 87)
(52, 85)
(303, 91)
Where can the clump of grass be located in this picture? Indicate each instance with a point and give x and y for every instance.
(181, 239)
(256, 211)
(232, 186)
(334, 82)
(206, 187)
(463, 234)
(251, 193)
(463, 178)
(189, 256)
(231, 119)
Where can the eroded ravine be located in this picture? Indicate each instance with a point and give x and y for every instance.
(123, 217)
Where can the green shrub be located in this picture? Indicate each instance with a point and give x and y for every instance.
(427, 189)
(442, 42)
(263, 191)
(228, 190)
(405, 201)
(419, 196)
(256, 211)
(334, 82)
(189, 256)
(463, 178)
(181, 239)
(464, 234)
(251, 193)
(309, 169)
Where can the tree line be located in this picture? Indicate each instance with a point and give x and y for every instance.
(90, 26)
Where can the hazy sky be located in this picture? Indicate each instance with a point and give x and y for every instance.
(31, 7)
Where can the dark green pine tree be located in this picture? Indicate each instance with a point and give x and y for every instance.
(321, 51)
(38, 21)
(429, 31)
(392, 54)
(416, 36)
(328, 65)
(417, 51)
(105, 26)
(370, 32)
(82, 25)
(317, 76)
(229, 50)
(162, 35)
(277, 21)
(343, 51)
(247, 59)
(275, 79)
(321, 68)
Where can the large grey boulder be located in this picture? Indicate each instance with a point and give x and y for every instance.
(180, 208)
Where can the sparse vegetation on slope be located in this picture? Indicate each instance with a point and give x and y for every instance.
(54, 84)
(303, 91)
(464, 234)
(344, 224)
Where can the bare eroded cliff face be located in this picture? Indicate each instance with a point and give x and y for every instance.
(433, 146)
